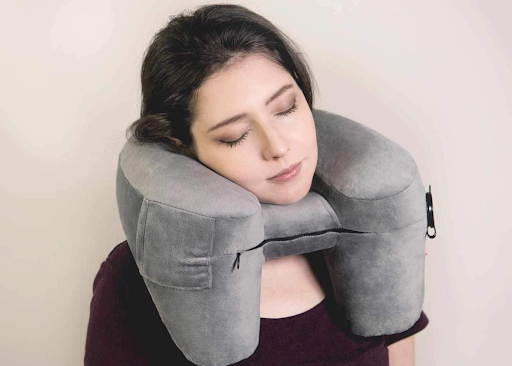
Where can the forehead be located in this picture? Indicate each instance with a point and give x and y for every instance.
(240, 84)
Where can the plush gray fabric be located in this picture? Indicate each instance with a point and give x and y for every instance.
(199, 240)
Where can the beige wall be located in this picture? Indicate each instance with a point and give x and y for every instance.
(433, 76)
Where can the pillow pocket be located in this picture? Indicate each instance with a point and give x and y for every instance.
(174, 246)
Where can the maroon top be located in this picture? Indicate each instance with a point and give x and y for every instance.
(125, 328)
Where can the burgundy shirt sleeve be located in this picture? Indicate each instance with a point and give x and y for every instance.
(111, 336)
(420, 324)
(124, 326)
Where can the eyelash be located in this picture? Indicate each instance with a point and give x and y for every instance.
(236, 142)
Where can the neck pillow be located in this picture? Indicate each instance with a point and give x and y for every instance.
(199, 239)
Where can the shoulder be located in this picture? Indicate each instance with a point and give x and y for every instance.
(121, 259)
(120, 254)
(120, 269)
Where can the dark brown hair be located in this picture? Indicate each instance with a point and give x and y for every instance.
(190, 49)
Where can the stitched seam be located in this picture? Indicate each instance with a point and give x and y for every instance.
(144, 235)
(143, 274)
(210, 280)
(210, 217)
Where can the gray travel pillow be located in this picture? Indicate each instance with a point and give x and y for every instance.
(199, 239)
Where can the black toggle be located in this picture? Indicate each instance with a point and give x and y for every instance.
(430, 213)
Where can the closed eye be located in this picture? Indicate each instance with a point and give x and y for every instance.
(281, 114)
(291, 110)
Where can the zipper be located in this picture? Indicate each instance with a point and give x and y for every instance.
(286, 238)
(430, 224)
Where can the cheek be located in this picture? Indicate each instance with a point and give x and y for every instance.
(238, 170)
(308, 132)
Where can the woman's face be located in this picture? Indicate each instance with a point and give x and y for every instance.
(272, 135)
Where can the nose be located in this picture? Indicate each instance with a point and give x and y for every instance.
(275, 146)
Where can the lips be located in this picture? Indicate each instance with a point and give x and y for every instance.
(287, 170)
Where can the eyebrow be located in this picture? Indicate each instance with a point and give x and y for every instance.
(243, 115)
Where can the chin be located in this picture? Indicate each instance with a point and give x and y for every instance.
(287, 199)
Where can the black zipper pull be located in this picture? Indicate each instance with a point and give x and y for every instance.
(237, 261)
(430, 213)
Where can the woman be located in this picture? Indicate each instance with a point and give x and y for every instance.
(225, 87)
